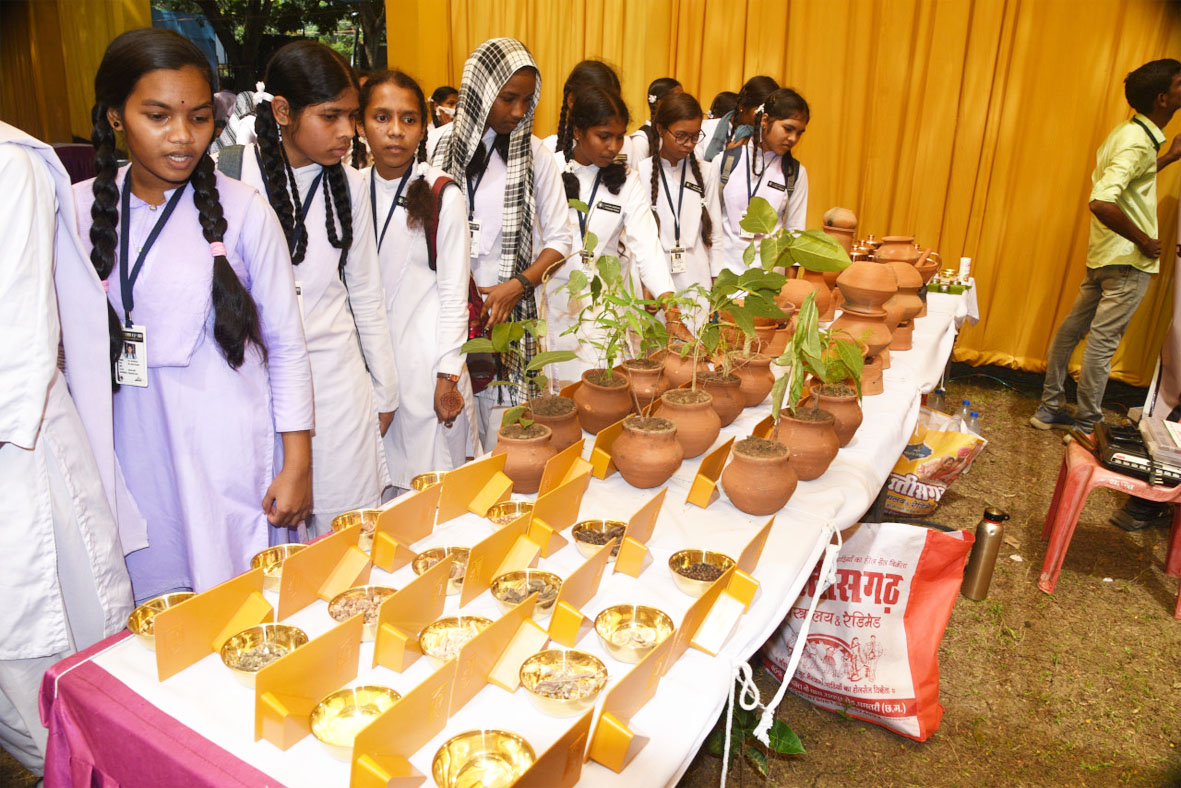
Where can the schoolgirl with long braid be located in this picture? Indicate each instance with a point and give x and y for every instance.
(764, 167)
(518, 218)
(585, 74)
(305, 123)
(643, 139)
(737, 125)
(213, 411)
(683, 194)
(619, 215)
(425, 294)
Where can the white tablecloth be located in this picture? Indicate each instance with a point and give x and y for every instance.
(206, 698)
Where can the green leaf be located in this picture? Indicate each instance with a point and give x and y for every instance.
(550, 357)
(748, 254)
(591, 241)
(714, 743)
(577, 282)
(478, 345)
(514, 416)
(850, 356)
(757, 758)
(610, 270)
(596, 287)
(760, 217)
(501, 336)
(516, 331)
(769, 253)
(578, 205)
(816, 251)
(778, 390)
(784, 740)
(540, 381)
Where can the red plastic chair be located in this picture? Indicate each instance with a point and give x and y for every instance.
(1081, 473)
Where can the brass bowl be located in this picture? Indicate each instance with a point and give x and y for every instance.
(588, 531)
(270, 561)
(682, 561)
(338, 718)
(425, 480)
(513, 588)
(505, 512)
(481, 759)
(428, 558)
(441, 640)
(251, 650)
(141, 622)
(367, 518)
(563, 683)
(352, 598)
(628, 632)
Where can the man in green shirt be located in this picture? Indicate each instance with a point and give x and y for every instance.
(1124, 248)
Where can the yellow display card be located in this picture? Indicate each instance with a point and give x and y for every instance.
(327, 567)
(633, 552)
(286, 691)
(473, 488)
(402, 616)
(556, 511)
(382, 750)
(190, 631)
(479, 655)
(705, 485)
(403, 524)
(487, 555)
(577, 590)
(563, 467)
(764, 428)
(561, 765)
(719, 624)
(600, 459)
(749, 559)
(613, 743)
(528, 640)
(683, 636)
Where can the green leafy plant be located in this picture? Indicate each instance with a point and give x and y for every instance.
(783, 739)
(812, 250)
(506, 339)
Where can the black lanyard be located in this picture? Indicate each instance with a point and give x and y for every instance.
(393, 205)
(127, 278)
(304, 206)
(680, 197)
(750, 194)
(1151, 138)
(590, 206)
(472, 187)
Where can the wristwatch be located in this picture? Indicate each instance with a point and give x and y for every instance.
(525, 283)
(445, 376)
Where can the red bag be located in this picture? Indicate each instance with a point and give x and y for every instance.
(872, 648)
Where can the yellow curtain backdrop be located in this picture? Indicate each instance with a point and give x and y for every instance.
(971, 124)
(49, 51)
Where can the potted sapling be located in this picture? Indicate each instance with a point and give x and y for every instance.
(836, 384)
(741, 302)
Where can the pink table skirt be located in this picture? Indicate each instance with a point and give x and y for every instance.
(102, 734)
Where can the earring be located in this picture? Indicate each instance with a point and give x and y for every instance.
(116, 125)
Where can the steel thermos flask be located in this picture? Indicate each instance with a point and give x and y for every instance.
(982, 559)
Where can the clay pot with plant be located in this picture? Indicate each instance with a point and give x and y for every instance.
(698, 424)
(759, 479)
(527, 447)
(647, 452)
(836, 385)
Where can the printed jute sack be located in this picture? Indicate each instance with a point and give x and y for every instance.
(938, 452)
(872, 649)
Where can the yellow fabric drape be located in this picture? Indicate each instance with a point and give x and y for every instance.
(971, 124)
(49, 51)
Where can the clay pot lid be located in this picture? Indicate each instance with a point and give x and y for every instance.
(898, 239)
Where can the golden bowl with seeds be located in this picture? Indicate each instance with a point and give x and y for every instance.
(694, 571)
(563, 683)
(428, 558)
(505, 512)
(366, 518)
(251, 650)
(441, 640)
(629, 632)
(365, 600)
(513, 588)
(590, 535)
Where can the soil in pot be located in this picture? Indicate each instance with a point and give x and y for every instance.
(603, 399)
(560, 414)
(726, 390)
(698, 424)
(755, 374)
(647, 379)
(813, 442)
(647, 452)
(841, 401)
(759, 479)
(528, 449)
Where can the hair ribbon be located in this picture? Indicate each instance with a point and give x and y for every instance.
(260, 93)
(217, 249)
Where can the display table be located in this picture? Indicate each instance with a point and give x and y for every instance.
(112, 723)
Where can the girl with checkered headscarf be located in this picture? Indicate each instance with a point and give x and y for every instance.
(517, 210)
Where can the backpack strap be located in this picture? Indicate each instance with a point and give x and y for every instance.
(229, 161)
(730, 157)
(432, 222)
(792, 169)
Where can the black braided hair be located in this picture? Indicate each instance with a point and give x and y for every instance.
(275, 172)
(418, 194)
(657, 90)
(585, 73)
(707, 224)
(756, 151)
(753, 93)
(235, 315)
(656, 165)
(780, 105)
(338, 198)
(127, 59)
(359, 157)
(596, 106)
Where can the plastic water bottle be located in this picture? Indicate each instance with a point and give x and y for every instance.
(965, 411)
(973, 423)
(936, 401)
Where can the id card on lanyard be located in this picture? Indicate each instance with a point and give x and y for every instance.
(473, 224)
(303, 215)
(676, 255)
(585, 255)
(131, 369)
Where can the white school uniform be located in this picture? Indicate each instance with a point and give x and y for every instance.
(639, 144)
(708, 126)
(699, 260)
(630, 156)
(743, 186)
(613, 218)
(427, 312)
(347, 330)
(65, 584)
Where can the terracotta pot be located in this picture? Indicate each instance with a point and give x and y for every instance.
(759, 479)
(844, 407)
(843, 235)
(726, 391)
(824, 305)
(865, 324)
(793, 292)
(895, 310)
(866, 284)
(884, 355)
(873, 242)
(755, 374)
(872, 383)
(677, 369)
(647, 452)
(560, 414)
(903, 336)
(897, 248)
(813, 444)
(526, 455)
(601, 406)
(698, 424)
(765, 332)
(647, 383)
(779, 341)
(910, 282)
(927, 270)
